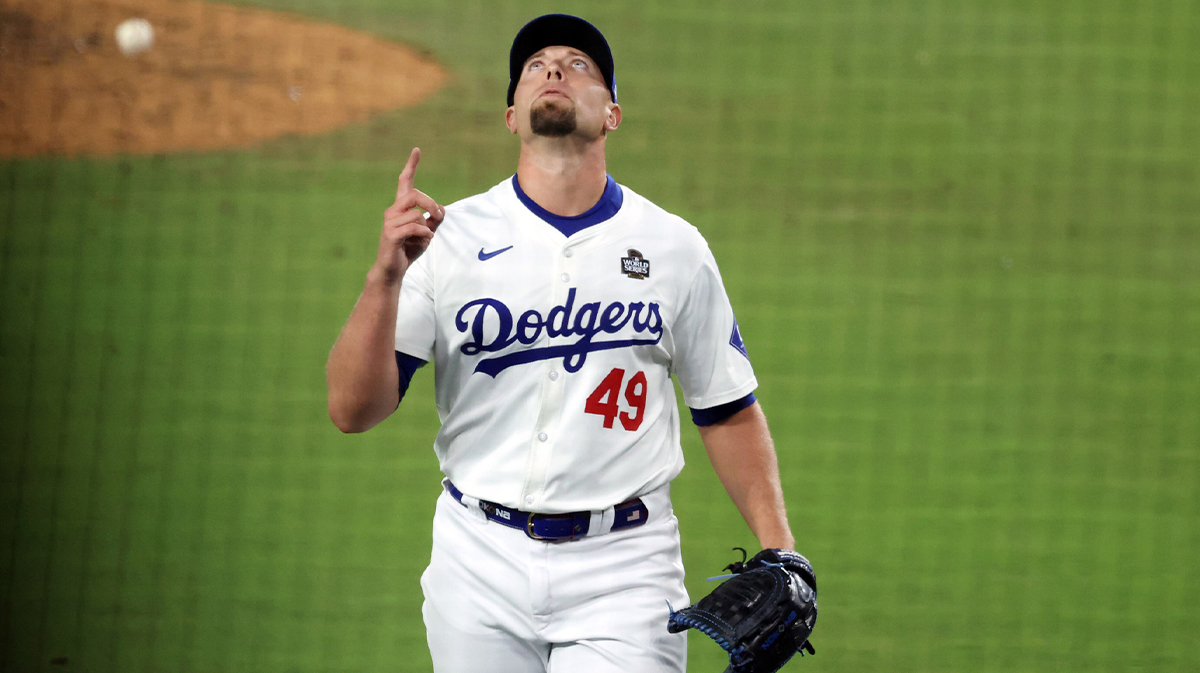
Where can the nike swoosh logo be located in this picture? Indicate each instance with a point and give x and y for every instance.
(484, 256)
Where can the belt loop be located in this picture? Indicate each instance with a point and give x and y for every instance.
(470, 502)
(472, 505)
(602, 522)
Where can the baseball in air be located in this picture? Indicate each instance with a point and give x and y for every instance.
(134, 36)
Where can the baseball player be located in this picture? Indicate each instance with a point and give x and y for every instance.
(556, 307)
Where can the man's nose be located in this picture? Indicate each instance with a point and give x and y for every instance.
(553, 72)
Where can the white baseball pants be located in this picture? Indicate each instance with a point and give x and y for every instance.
(500, 602)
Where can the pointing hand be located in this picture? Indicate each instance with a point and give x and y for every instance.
(407, 230)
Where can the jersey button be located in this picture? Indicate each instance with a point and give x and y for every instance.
(553, 376)
(567, 253)
(543, 437)
(566, 277)
(529, 500)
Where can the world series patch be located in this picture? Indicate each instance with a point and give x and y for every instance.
(635, 266)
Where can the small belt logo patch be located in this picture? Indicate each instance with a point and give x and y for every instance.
(635, 266)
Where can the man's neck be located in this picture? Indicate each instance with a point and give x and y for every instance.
(563, 177)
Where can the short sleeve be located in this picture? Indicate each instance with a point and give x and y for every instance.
(710, 359)
(415, 318)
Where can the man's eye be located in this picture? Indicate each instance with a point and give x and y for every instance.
(535, 66)
(580, 64)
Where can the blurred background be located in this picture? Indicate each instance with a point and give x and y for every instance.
(962, 240)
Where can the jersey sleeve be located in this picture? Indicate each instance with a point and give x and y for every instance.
(415, 317)
(710, 360)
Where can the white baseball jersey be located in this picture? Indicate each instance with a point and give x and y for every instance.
(553, 355)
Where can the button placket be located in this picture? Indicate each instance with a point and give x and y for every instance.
(566, 265)
(541, 447)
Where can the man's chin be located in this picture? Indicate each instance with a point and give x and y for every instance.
(554, 130)
(552, 123)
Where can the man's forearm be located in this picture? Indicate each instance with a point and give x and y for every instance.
(743, 456)
(361, 372)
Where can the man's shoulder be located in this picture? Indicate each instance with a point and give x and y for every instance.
(668, 223)
(482, 206)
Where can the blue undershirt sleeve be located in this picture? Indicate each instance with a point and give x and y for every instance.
(408, 365)
(720, 412)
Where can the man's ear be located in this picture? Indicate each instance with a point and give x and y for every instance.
(613, 120)
(510, 119)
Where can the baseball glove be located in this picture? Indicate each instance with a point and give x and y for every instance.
(762, 615)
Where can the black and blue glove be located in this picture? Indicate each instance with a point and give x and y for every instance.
(762, 616)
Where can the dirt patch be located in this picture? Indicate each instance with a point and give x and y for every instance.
(217, 76)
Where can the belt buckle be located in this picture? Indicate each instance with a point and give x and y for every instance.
(529, 528)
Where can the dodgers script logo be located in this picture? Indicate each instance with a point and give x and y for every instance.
(588, 323)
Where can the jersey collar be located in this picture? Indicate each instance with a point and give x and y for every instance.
(608, 206)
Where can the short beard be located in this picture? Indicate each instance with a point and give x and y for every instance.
(552, 120)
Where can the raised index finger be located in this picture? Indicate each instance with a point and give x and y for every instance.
(405, 184)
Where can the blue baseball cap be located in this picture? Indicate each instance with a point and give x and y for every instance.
(560, 30)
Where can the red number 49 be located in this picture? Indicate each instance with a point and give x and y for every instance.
(603, 400)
